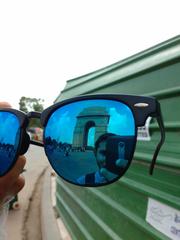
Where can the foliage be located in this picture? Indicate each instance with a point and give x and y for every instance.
(27, 104)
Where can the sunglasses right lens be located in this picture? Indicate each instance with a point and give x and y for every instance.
(9, 140)
(91, 142)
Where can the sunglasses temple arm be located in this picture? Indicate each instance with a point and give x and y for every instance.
(40, 144)
(162, 130)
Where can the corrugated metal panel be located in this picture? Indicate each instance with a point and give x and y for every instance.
(154, 58)
(118, 211)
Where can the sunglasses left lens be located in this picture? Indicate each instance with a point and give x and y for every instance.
(9, 140)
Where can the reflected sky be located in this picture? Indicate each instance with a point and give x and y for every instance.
(91, 137)
(9, 125)
(62, 122)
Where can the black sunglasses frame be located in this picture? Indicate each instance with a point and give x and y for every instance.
(141, 107)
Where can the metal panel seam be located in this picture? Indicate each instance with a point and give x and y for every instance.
(168, 125)
(132, 217)
(151, 192)
(75, 219)
(162, 160)
(91, 214)
(127, 214)
(165, 93)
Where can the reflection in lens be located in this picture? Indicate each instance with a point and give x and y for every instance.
(90, 142)
(9, 140)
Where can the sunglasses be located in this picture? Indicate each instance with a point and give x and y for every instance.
(75, 130)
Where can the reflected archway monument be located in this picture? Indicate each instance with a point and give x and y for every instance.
(96, 117)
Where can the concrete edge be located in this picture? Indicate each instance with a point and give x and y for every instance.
(49, 226)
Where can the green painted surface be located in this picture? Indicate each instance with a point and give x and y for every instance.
(119, 211)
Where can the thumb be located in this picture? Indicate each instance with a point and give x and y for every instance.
(121, 163)
(5, 105)
(107, 174)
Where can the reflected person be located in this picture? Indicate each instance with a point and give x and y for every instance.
(103, 174)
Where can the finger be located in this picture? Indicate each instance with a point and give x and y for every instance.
(107, 174)
(121, 163)
(5, 105)
(18, 185)
(15, 188)
(13, 174)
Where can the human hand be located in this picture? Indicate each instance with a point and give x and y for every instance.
(12, 182)
(121, 163)
(108, 174)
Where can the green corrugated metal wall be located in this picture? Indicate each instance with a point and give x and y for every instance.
(118, 211)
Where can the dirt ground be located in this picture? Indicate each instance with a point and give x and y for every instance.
(32, 223)
(25, 222)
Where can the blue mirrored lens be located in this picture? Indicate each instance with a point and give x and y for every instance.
(91, 142)
(9, 140)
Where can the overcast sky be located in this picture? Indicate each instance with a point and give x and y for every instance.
(45, 43)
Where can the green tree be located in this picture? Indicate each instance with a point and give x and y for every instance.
(27, 104)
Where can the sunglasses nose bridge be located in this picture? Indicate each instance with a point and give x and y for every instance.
(34, 115)
(38, 116)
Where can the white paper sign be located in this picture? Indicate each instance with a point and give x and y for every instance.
(164, 218)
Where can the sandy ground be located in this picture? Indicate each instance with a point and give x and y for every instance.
(24, 224)
(32, 221)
